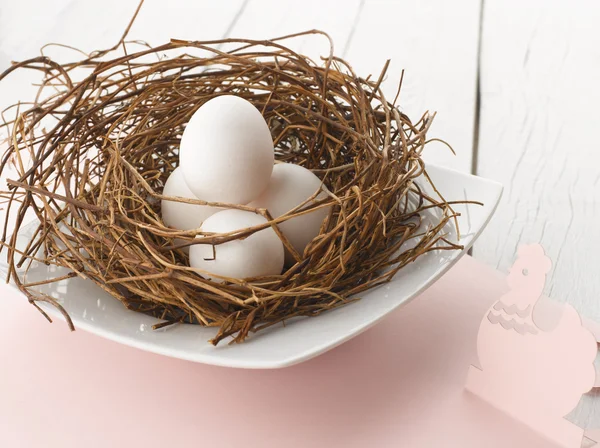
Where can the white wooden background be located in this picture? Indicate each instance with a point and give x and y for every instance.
(516, 85)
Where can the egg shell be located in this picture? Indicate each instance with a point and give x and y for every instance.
(258, 254)
(290, 186)
(179, 215)
(226, 151)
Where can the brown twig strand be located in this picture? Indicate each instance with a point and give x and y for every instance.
(91, 158)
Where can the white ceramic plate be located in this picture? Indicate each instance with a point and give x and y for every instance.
(93, 310)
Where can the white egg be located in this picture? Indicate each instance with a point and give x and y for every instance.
(179, 215)
(290, 186)
(226, 151)
(258, 254)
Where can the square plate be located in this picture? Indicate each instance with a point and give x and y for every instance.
(93, 310)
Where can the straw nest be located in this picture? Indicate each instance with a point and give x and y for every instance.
(89, 157)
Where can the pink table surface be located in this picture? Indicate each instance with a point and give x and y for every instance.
(397, 385)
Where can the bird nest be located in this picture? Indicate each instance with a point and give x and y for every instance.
(90, 158)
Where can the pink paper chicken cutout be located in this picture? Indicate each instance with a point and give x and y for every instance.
(535, 376)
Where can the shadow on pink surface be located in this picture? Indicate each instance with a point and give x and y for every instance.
(399, 384)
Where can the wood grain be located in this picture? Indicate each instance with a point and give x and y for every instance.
(436, 43)
(539, 118)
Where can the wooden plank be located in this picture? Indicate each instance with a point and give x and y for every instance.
(539, 119)
(96, 25)
(27, 25)
(263, 19)
(436, 43)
